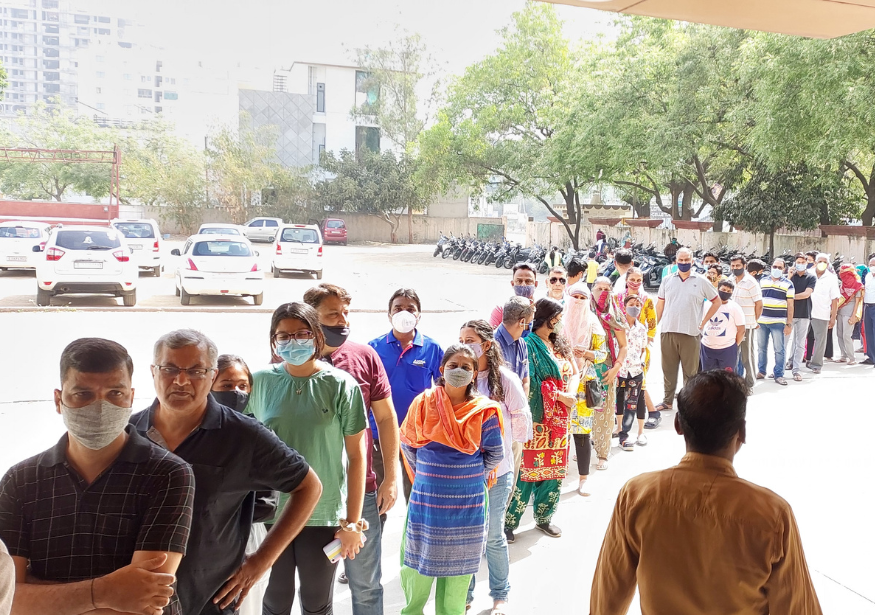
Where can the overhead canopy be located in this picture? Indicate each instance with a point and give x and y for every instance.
(814, 18)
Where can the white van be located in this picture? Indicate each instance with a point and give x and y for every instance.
(144, 240)
(17, 241)
(298, 248)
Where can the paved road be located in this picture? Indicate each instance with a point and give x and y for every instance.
(797, 445)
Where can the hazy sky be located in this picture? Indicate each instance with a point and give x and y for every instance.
(270, 33)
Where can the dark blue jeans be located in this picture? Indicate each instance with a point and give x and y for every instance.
(364, 572)
(869, 329)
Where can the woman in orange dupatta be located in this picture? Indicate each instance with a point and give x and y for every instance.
(451, 440)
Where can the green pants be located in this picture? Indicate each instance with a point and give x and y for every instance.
(546, 496)
(450, 595)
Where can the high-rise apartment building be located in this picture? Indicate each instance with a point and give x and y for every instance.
(39, 44)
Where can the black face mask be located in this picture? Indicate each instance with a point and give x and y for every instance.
(236, 400)
(758, 276)
(738, 272)
(724, 296)
(335, 336)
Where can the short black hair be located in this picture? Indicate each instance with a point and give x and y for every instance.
(798, 255)
(711, 254)
(228, 360)
(407, 293)
(316, 295)
(575, 267)
(812, 253)
(526, 267)
(629, 298)
(711, 409)
(95, 355)
(726, 282)
(307, 315)
(738, 257)
(623, 256)
(755, 265)
(591, 254)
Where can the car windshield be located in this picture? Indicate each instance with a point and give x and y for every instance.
(221, 248)
(19, 232)
(335, 224)
(218, 231)
(302, 235)
(88, 240)
(135, 230)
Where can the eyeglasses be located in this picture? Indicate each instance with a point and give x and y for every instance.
(560, 280)
(193, 373)
(299, 336)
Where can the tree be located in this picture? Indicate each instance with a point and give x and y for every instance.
(504, 118)
(378, 184)
(55, 129)
(392, 80)
(812, 102)
(3, 81)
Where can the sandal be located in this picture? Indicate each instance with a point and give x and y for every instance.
(499, 610)
(797, 377)
(652, 422)
(583, 489)
(663, 407)
(602, 464)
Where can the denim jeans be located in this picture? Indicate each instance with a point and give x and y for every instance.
(364, 571)
(869, 330)
(497, 557)
(795, 343)
(776, 332)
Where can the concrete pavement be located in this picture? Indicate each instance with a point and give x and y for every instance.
(798, 444)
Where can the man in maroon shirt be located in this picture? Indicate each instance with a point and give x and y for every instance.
(363, 363)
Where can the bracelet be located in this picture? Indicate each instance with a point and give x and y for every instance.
(359, 527)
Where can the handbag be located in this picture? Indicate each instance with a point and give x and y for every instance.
(594, 393)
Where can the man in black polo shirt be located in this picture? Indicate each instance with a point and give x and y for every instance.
(101, 520)
(231, 455)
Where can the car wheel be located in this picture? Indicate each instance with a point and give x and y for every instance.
(43, 297)
(271, 239)
(258, 299)
(318, 275)
(3, 269)
(277, 273)
(156, 272)
(130, 299)
(177, 291)
(344, 242)
(184, 297)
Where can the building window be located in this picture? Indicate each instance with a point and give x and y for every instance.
(320, 98)
(144, 79)
(104, 31)
(98, 90)
(19, 14)
(50, 29)
(52, 88)
(125, 45)
(157, 96)
(103, 19)
(51, 16)
(159, 109)
(126, 76)
(367, 138)
(158, 81)
(367, 92)
(51, 53)
(158, 66)
(171, 81)
(52, 76)
(279, 83)
(51, 40)
(51, 64)
(144, 93)
(100, 74)
(171, 96)
(100, 106)
(98, 58)
(50, 4)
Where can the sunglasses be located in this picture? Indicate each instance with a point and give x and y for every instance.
(560, 280)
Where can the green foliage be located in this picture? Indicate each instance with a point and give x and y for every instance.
(54, 129)
(3, 81)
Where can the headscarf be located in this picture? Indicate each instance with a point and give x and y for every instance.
(432, 418)
(608, 311)
(544, 375)
(850, 282)
(580, 322)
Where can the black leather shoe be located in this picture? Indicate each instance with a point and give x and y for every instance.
(549, 529)
(509, 535)
(342, 579)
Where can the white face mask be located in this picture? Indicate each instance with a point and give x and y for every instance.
(96, 425)
(404, 322)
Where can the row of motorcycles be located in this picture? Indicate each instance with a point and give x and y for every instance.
(650, 259)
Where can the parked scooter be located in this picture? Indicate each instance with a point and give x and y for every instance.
(440, 244)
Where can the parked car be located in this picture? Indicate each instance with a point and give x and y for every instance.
(219, 228)
(262, 229)
(92, 260)
(144, 238)
(334, 230)
(298, 248)
(218, 265)
(17, 240)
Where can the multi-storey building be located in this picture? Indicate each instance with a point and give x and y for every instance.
(39, 41)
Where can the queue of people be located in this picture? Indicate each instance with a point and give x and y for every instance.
(232, 483)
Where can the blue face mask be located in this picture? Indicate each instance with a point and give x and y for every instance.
(684, 267)
(296, 352)
(777, 273)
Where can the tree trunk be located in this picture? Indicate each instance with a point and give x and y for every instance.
(772, 254)
(869, 212)
(409, 224)
(687, 202)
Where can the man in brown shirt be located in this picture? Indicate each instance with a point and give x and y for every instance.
(698, 539)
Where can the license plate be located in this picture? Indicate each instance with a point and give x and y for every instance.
(297, 251)
(135, 246)
(16, 259)
(87, 265)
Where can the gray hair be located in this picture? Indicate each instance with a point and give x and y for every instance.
(603, 278)
(516, 309)
(779, 260)
(183, 338)
(684, 249)
(822, 256)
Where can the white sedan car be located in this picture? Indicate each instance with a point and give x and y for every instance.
(218, 265)
(17, 242)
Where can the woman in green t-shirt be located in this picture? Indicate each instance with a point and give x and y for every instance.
(319, 411)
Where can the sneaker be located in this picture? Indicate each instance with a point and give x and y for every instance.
(510, 537)
(627, 445)
(342, 579)
(642, 440)
(867, 361)
(549, 529)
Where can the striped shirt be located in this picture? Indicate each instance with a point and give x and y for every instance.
(747, 293)
(776, 293)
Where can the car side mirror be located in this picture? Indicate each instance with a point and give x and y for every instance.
(256, 253)
(37, 249)
(175, 252)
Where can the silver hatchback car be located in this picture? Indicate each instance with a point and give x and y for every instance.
(262, 229)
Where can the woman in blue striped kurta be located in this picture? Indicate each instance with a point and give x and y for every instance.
(451, 441)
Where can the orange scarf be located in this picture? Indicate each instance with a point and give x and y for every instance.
(433, 418)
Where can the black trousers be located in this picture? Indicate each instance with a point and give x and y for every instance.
(809, 347)
(583, 448)
(304, 555)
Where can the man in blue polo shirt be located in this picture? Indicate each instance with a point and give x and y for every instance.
(412, 361)
(516, 317)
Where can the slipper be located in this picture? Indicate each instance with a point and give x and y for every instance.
(662, 407)
(652, 422)
(797, 377)
(602, 465)
(584, 490)
(499, 610)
